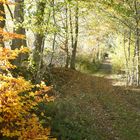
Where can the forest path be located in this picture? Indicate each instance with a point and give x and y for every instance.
(106, 71)
(106, 67)
(112, 112)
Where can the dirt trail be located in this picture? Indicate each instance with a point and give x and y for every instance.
(106, 67)
(111, 113)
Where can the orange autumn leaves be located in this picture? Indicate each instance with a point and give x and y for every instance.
(8, 54)
(16, 102)
(7, 35)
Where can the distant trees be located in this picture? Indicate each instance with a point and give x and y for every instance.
(56, 27)
(129, 17)
(124, 19)
(53, 25)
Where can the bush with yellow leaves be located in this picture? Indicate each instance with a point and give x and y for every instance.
(17, 100)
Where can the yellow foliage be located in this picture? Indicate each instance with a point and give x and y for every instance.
(17, 100)
(7, 54)
(7, 35)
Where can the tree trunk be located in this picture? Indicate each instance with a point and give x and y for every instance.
(53, 49)
(2, 23)
(74, 50)
(67, 38)
(18, 43)
(129, 58)
(39, 37)
(126, 59)
(98, 52)
(129, 46)
(71, 27)
(137, 57)
(55, 34)
(137, 19)
(39, 42)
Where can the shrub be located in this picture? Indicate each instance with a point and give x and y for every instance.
(17, 102)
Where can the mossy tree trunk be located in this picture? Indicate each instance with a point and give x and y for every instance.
(19, 29)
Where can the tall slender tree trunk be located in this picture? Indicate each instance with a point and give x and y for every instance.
(126, 59)
(133, 79)
(55, 34)
(67, 39)
(2, 23)
(53, 49)
(38, 50)
(129, 46)
(98, 52)
(137, 57)
(74, 50)
(137, 44)
(18, 43)
(129, 58)
(39, 37)
(71, 27)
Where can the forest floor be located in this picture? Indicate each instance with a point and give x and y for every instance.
(94, 109)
